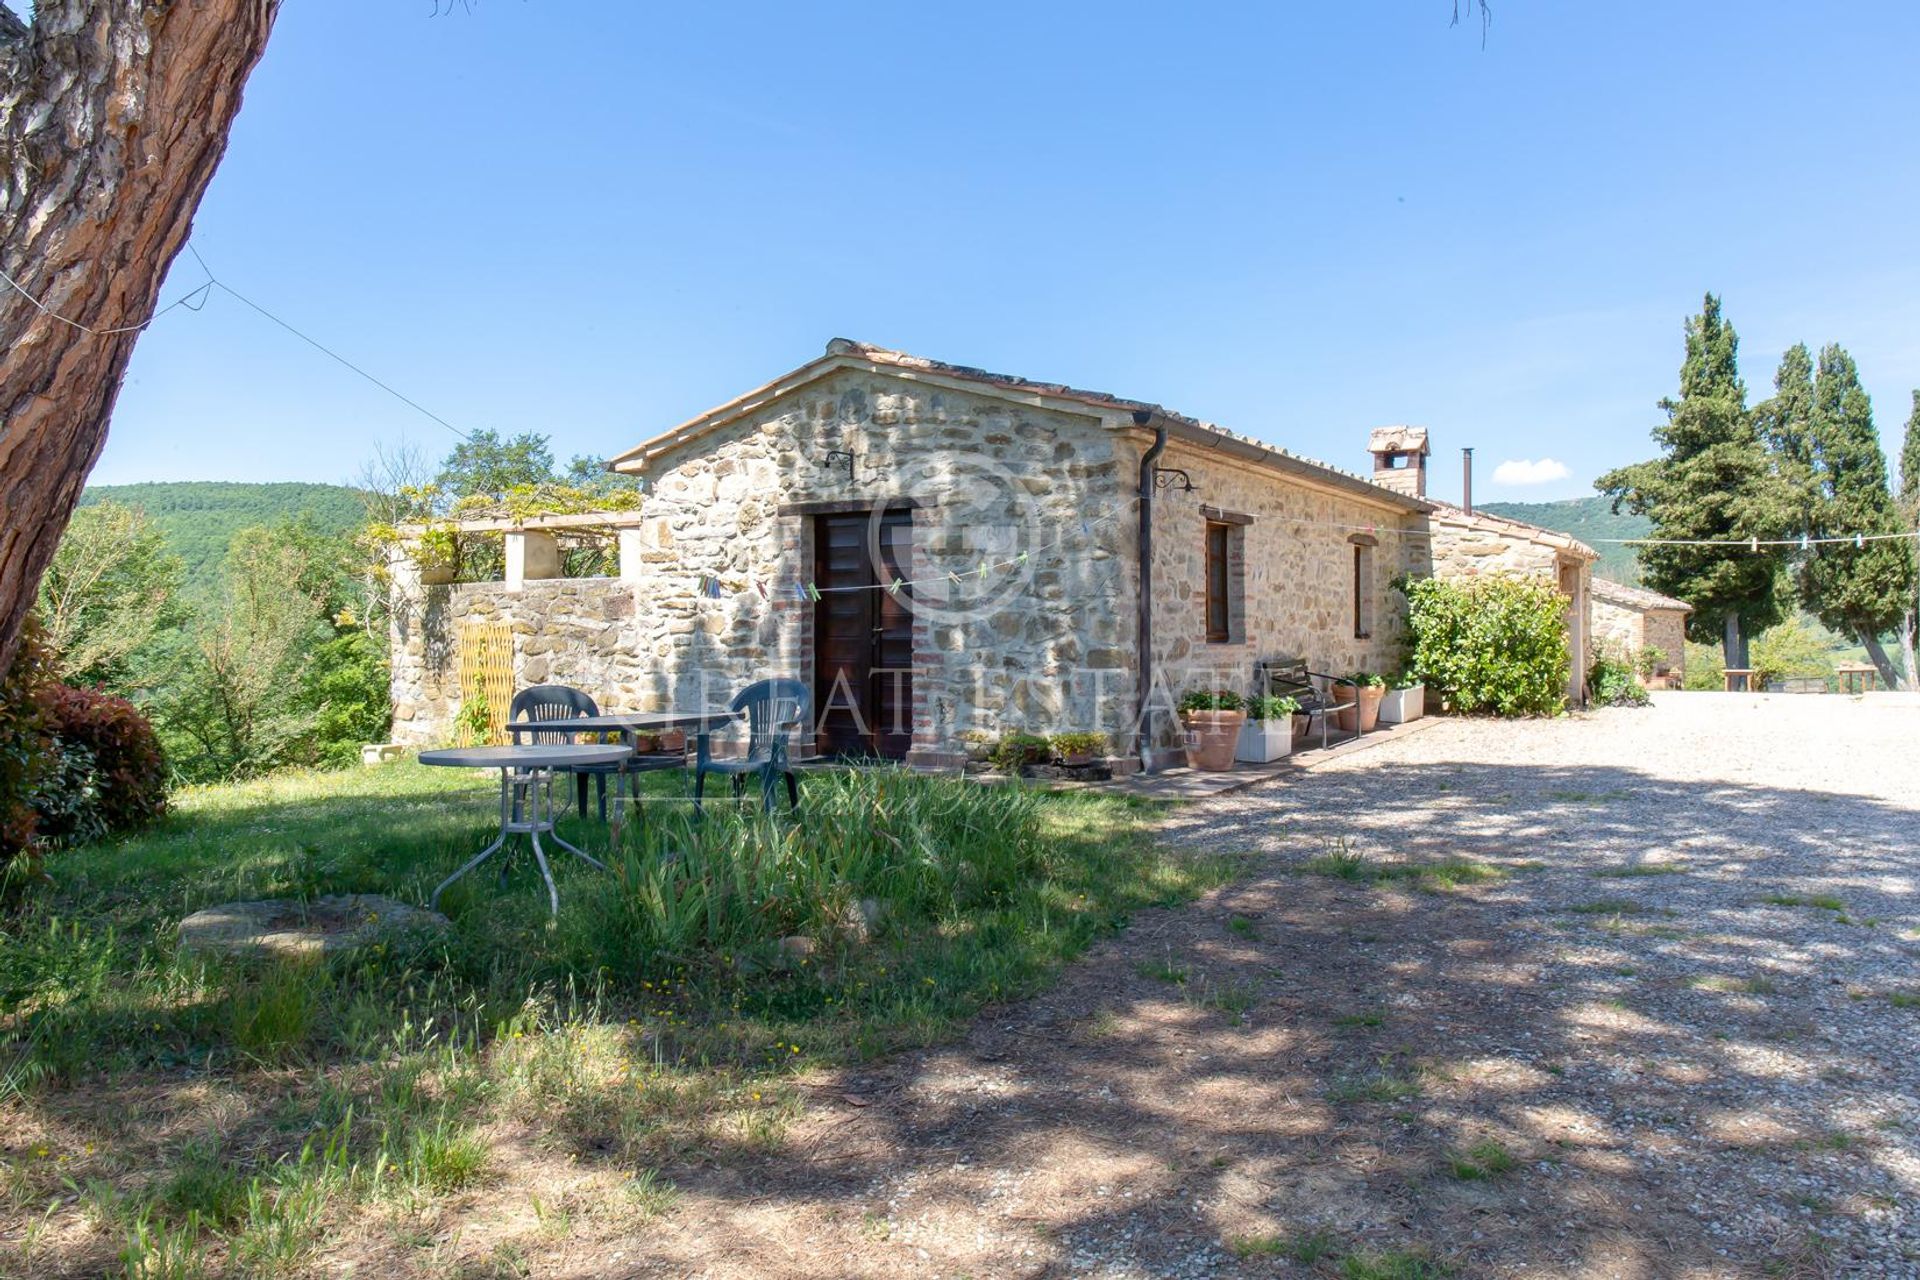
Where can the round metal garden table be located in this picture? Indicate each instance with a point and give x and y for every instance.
(526, 798)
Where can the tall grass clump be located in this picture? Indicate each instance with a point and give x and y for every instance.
(873, 854)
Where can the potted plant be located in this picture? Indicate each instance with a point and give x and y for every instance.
(1268, 733)
(1017, 750)
(1075, 750)
(1212, 719)
(436, 554)
(1371, 689)
(978, 744)
(1406, 700)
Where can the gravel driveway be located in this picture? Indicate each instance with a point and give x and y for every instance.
(1629, 994)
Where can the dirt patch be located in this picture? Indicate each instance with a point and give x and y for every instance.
(1496, 1076)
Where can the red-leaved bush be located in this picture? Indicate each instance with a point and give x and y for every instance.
(24, 758)
(123, 771)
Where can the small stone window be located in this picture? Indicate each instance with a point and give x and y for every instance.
(1363, 591)
(1225, 583)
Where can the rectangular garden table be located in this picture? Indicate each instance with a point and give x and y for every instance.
(526, 797)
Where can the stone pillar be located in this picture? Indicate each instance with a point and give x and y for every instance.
(632, 545)
(531, 554)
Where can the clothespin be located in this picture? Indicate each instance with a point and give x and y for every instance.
(1805, 542)
(983, 570)
(1021, 558)
(893, 588)
(761, 587)
(1753, 544)
(800, 592)
(1858, 542)
(813, 592)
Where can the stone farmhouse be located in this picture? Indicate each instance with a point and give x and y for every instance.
(941, 551)
(1627, 621)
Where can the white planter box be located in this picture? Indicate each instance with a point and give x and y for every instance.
(1264, 741)
(1402, 705)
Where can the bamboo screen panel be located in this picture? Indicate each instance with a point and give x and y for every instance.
(486, 670)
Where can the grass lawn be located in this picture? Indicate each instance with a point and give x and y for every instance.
(168, 1115)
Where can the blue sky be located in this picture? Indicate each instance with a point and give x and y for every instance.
(1299, 221)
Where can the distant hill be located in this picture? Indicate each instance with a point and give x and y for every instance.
(1586, 519)
(200, 517)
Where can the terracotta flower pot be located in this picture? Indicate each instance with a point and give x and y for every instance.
(1347, 719)
(1212, 737)
(1370, 696)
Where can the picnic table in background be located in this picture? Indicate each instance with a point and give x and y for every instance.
(699, 726)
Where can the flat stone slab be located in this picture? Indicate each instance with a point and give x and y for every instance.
(320, 927)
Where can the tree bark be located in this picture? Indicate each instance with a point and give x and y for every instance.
(1877, 654)
(1733, 647)
(113, 116)
(1907, 627)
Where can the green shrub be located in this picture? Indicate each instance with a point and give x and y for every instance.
(1705, 668)
(1366, 680)
(1611, 683)
(473, 722)
(1271, 706)
(1495, 644)
(1649, 661)
(109, 774)
(1211, 700)
(345, 689)
(1790, 649)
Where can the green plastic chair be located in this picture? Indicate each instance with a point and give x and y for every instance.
(775, 709)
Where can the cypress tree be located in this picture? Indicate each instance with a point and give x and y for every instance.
(1859, 589)
(1908, 503)
(1715, 480)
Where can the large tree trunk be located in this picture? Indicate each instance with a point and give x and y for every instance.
(113, 116)
(1907, 627)
(1733, 646)
(1877, 654)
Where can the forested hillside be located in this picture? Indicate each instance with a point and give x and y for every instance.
(1587, 519)
(200, 517)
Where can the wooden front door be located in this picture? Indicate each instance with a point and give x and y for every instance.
(863, 635)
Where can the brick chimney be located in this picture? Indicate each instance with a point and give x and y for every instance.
(1400, 459)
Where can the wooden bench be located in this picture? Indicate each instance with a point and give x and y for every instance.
(1313, 690)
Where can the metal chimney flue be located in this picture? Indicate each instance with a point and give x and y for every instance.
(1466, 480)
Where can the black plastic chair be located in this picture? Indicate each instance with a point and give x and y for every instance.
(561, 702)
(775, 709)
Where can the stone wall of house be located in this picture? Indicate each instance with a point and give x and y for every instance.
(1041, 494)
(1040, 644)
(1619, 630)
(1296, 545)
(577, 631)
(1624, 630)
(1666, 630)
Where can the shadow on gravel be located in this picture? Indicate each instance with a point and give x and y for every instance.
(1585, 1066)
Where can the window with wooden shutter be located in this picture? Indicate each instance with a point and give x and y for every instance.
(1219, 583)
